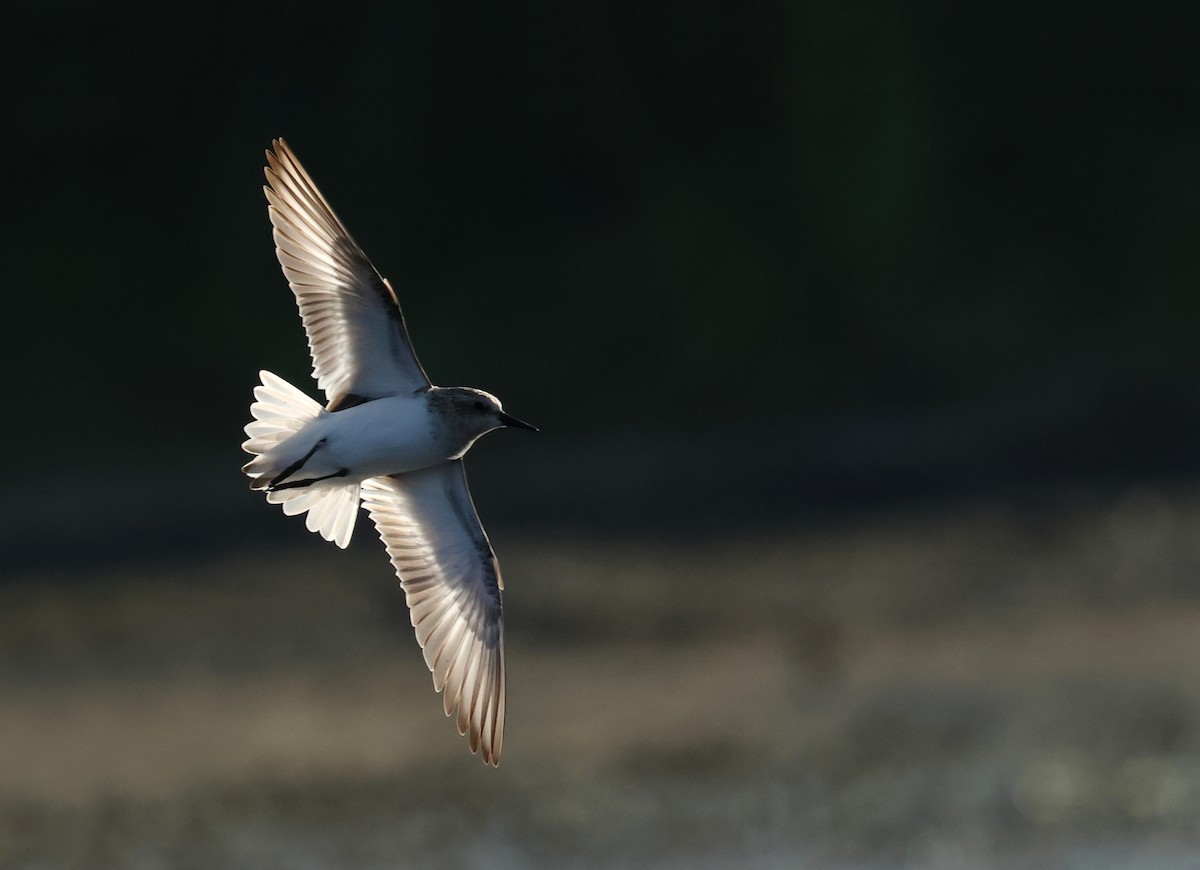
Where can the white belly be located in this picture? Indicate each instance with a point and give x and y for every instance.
(384, 436)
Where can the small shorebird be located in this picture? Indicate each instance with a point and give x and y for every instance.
(388, 438)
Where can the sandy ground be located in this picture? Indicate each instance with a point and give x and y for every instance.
(971, 688)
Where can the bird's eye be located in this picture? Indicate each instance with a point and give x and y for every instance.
(479, 406)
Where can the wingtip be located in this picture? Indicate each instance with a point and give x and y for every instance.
(485, 750)
(281, 153)
(279, 156)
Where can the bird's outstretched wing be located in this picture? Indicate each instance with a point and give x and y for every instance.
(452, 584)
(356, 332)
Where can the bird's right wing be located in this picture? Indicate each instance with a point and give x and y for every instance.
(356, 331)
(452, 584)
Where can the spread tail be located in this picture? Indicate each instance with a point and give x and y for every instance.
(280, 411)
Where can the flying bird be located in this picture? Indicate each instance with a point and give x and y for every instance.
(386, 438)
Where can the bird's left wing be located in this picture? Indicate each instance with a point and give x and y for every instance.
(452, 585)
(356, 331)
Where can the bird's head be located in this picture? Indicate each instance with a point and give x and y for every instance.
(469, 413)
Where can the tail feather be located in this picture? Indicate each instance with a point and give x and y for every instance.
(332, 510)
(280, 411)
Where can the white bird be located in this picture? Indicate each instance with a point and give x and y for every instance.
(389, 438)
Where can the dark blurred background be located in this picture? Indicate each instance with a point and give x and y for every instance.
(676, 220)
(758, 271)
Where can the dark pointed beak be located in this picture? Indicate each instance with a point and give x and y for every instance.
(509, 420)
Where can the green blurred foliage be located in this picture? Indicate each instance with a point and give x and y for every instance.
(614, 215)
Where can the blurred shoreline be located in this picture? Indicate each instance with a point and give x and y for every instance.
(985, 689)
